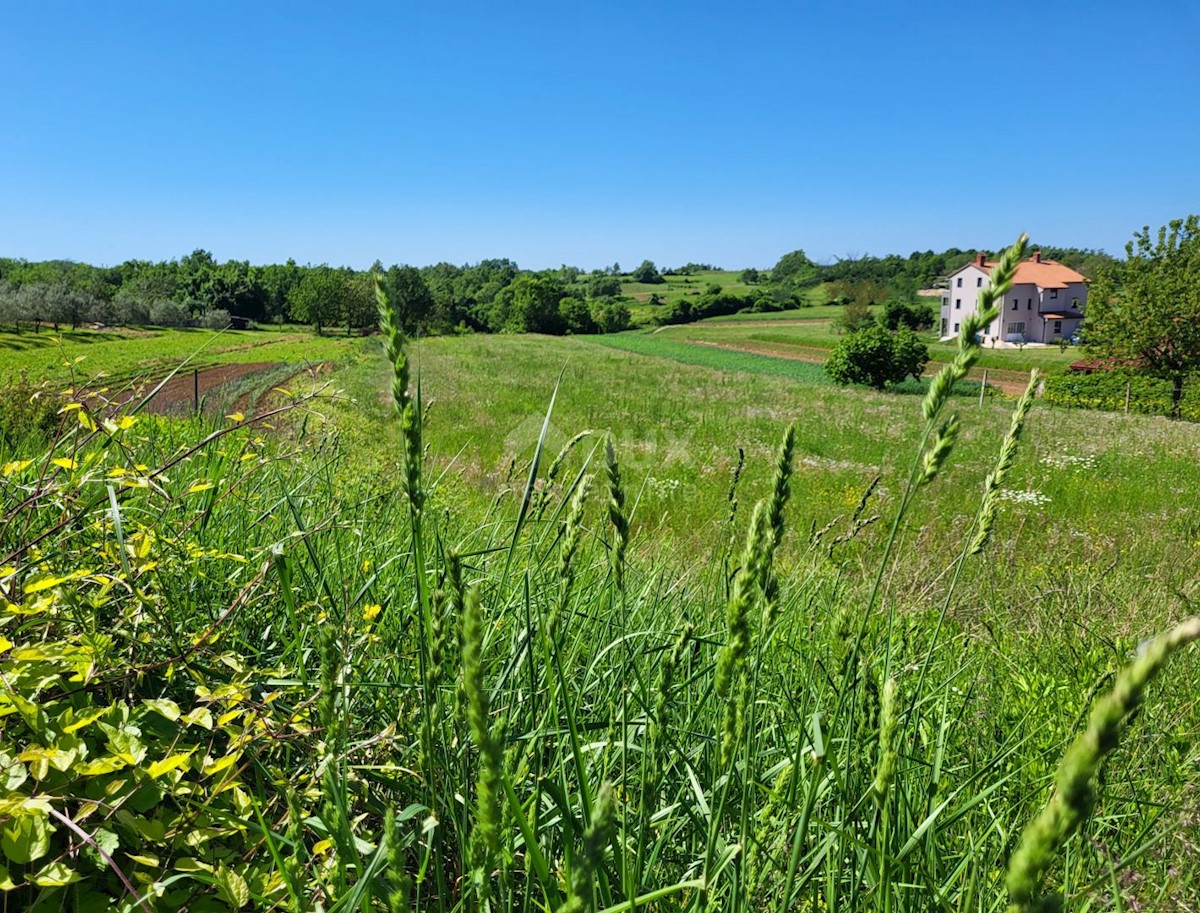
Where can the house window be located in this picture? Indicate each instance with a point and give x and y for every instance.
(1014, 304)
(960, 281)
(1053, 293)
(943, 326)
(979, 282)
(956, 328)
(1058, 328)
(1029, 305)
(957, 303)
(1017, 327)
(1075, 303)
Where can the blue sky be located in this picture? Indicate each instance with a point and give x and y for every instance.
(587, 132)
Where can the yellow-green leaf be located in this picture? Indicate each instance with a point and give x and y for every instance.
(232, 888)
(101, 766)
(55, 875)
(174, 762)
(188, 864)
(164, 707)
(25, 838)
(85, 720)
(200, 716)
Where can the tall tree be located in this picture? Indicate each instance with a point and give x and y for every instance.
(319, 298)
(1146, 310)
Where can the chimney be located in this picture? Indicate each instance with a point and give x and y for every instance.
(1037, 256)
(981, 260)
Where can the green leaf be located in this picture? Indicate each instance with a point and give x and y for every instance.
(164, 707)
(232, 888)
(12, 772)
(55, 875)
(26, 838)
(6, 882)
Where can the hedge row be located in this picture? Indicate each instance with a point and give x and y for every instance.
(1105, 390)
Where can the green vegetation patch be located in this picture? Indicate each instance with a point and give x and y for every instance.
(712, 357)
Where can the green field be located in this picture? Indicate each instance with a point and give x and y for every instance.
(122, 355)
(342, 659)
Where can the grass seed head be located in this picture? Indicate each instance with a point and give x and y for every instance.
(616, 510)
(1004, 463)
(1074, 792)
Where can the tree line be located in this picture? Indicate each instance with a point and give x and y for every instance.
(489, 296)
(197, 290)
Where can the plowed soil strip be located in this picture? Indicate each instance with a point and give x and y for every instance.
(178, 394)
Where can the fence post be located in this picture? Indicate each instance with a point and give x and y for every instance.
(1127, 397)
(983, 387)
(196, 390)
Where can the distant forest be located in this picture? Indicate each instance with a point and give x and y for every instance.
(489, 296)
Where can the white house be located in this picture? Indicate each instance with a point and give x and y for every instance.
(1045, 303)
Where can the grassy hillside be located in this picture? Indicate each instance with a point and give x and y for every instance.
(464, 660)
(675, 288)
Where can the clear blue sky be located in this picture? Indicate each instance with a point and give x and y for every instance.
(589, 132)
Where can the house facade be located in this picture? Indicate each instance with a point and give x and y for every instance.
(1044, 305)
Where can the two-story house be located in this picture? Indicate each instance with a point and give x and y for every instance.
(1045, 303)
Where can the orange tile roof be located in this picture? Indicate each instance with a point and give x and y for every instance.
(1040, 272)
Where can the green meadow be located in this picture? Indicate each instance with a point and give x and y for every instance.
(532, 623)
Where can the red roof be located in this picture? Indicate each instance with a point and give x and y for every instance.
(1035, 271)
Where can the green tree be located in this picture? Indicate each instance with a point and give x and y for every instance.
(412, 297)
(528, 305)
(795, 270)
(647, 272)
(611, 316)
(318, 298)
(876, 358)
(1145, 311)
(576, 315)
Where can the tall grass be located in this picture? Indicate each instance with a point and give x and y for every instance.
(312, 694)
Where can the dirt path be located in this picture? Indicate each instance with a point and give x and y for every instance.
(1006, 381)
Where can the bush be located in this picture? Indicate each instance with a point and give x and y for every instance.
(1105, 390)
(877, 358)
(214, 319)
(855, 316)
(169, 314)
(576, 316)
(603, 287)
(27, 411)
(647, 272)
(611, 316)
(915, 316)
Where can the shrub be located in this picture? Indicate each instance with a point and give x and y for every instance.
(647, 272)
(915, 316)
(611, 316)
(169, 314)
(856, 315)
(877, 358)
(1106, 390)
(576, 315)
(214, 319)
(27, 411)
